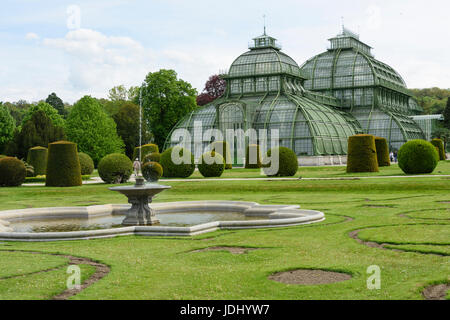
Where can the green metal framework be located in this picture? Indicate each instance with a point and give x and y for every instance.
(265, 91)
(373, 92)
(428, 123)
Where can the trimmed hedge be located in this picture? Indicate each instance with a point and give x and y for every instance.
(253, 157)
(211, 164)
(382, 152)
(171, 170)
(37, 157)
(362, 154)
(152, 157)
(86, 164)
(222, 148)
(146, 149)
(288, 163)
(438, 143)
(115, 168)
(152, 171)
(418, 156)
(12, 172)
(63, 165)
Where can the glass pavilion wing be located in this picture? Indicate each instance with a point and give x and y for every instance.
(207, 117)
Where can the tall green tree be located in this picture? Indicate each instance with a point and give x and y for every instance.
(7, 126)
(51, 112)
(446, 115)
(165, 100)
(56, 103)
(39, 130)
(127, 121)
(92, 129)
(121, 93)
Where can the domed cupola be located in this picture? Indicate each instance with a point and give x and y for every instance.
(264, 69)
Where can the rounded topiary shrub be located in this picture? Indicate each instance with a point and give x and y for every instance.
(211, 164)
(115, 168)
(287, 162)
(63, 165)
(152, 157)
(12, 172)
(223, 148)
(362, 154)
(252, 157)
(382, 152)
(37, 157)
(418, 156)
(182, 170)
(439, 144)
(146, 149)
(86, 163)
(152, 171)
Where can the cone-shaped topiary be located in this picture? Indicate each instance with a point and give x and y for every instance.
(252, 157)
(184, 157)
(438, 143)
(287, 162)
(146, 149)
(223, 148)
(152, 171)
(86, 163)
(115, 168)
(418, 156)
(37, 157)
(12, 172)
(211, 164)
(152, 157)
(362, 154)
(382, 152)
(63, 165)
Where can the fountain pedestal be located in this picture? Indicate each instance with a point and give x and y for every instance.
(139, 196)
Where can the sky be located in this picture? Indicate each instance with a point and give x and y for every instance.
(86, 47)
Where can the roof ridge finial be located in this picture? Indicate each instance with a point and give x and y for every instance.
(342, 23)
(264, 17)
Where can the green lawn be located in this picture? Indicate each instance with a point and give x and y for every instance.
(407, 214)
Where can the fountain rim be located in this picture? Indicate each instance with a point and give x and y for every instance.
(272, 216)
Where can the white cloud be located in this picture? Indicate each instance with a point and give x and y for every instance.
(98, 62)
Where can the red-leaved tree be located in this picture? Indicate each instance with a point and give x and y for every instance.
(214, 88)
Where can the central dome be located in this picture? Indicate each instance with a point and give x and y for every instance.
(264, 58)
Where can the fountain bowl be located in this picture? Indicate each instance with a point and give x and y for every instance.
(263, 216)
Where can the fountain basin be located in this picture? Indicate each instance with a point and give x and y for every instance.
(262, 216)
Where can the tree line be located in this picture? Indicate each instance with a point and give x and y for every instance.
(103, 126)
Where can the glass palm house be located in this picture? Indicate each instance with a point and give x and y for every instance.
(315, 108)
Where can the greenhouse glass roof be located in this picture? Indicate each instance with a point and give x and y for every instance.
(315, 108)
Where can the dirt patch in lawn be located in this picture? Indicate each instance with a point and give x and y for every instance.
(309, 277)
(379, 206)
(232, 250)
(436, 292)
(101, 270)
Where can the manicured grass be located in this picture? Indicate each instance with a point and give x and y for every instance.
(443, 168)
(166, 268)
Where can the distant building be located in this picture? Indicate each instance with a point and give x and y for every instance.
(316, 107)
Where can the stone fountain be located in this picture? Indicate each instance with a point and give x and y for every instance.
(140, 196)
